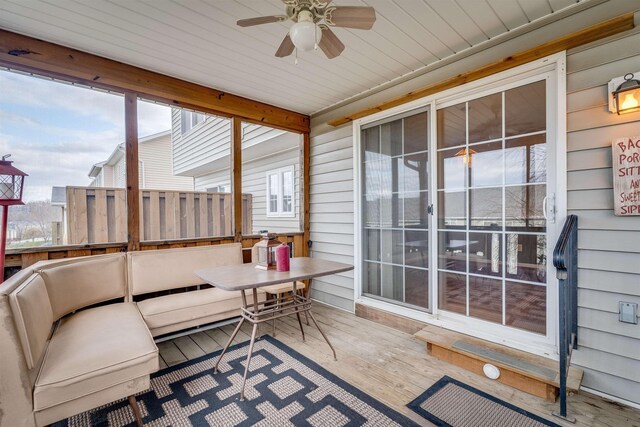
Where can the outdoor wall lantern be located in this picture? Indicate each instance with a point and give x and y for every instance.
(11, 186)
(267, 251)
(625, 98)
(466, 155)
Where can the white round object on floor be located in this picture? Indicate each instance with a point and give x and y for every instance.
(492, 372)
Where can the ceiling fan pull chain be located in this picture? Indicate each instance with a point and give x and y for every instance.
(296, 62)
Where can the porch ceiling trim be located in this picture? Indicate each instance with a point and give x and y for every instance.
(36, 56)
(605, 29)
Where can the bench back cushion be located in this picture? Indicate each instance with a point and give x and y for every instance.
(85, 281)
(163, 269)
(33, 317)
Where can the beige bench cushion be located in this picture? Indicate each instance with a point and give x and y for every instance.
(85, 281)
(93, 350)
(192, 308)
(163, 269)
(33, 317)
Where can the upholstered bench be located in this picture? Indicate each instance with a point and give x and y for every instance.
(78, 333)
(61, 354)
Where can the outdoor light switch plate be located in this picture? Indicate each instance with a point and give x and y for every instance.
(629, 312)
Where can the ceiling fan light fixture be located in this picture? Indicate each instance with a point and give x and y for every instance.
(305, 34)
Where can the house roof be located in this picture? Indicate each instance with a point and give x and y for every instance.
(200, 41)
(118, 152)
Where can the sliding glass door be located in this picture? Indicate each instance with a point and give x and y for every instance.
(453, 211)
(492, 185)
(395, 210)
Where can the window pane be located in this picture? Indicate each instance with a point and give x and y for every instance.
(372, 178)
(416, 207)
(391, 246)
(524, 208)
(485, 118)
(452, 250)
(452, 170)
(485, 254)
(485, 298)
(371, 278)
(416, 287)
(415, 169)
(452, 209)
(287, 192)
(391, 138)
(371, 210)
(273, 193)
(485, 208)
(391, 210)
(526, 307)
(526, 159)
(452, 292)
(416, 133)
(452, 126)
(392, 282)
(527, 257)
(371, 143)
(371, 244)
(416, 248)
(391, 174)
(485, 164)
(525, 109)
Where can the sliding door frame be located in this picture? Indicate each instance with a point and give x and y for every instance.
(553, 69)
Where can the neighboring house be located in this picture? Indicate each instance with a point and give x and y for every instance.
(155, 170)
(201, 149)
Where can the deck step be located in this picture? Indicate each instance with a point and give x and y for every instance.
(524, 371)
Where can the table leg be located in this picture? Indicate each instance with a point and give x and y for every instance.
(323, 335)
(224, 350)
(295, 293)
(306, 292)
(255, 308)
(246, 368)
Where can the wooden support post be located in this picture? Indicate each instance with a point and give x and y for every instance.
(133, 186)
(236, 177)
(306, 191)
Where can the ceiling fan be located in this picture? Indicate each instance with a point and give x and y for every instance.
(312, 19)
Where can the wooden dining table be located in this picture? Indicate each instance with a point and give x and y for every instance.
(246, 277)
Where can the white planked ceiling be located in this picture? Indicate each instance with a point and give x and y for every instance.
(199, 41)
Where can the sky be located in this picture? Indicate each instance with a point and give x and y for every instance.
(55, 131)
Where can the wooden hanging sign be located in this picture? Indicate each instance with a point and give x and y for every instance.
(626, 176)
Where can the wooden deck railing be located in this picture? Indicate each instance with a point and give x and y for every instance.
(98, 215)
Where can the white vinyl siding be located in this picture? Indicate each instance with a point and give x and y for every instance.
(156, 166)
(253, 179)
(332, 213)
(608, 350)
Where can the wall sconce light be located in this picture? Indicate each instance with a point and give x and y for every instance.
(466, 155)
(625, 94)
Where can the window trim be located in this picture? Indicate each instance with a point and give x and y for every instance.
(189, 116)
(279, 213)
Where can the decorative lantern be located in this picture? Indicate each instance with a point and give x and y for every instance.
(267, 251)
(11, 186)
(627, 95)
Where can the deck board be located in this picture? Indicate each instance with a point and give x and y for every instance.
(390, 365)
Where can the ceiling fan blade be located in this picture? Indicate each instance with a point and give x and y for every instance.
(330, 43)
(286, 47)
(261, 20)
(358, 17)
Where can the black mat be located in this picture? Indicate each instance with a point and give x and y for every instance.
(452, 403)
(283, 388)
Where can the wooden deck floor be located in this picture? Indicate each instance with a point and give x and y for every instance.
(390, 365)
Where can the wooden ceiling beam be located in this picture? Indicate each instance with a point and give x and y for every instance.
(587, 35)
(31, 55)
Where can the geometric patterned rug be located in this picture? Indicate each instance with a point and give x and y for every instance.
(283, 388)
(451, 403)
